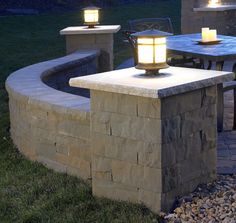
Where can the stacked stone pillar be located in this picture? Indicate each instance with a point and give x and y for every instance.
(98, 38)
(153, 138)
(151, 150)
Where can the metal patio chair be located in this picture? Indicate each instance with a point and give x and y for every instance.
(162, 24)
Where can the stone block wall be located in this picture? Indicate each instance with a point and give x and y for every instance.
(103, 42)
(136, 149)
(59, 139)
(48, 125)
(192, 22)
(150, 150)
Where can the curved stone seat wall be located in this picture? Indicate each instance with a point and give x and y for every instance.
(48, 125)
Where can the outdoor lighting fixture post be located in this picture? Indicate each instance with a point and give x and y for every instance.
(91, 16)
(150, 49)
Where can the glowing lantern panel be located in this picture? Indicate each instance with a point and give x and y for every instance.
(151, 50)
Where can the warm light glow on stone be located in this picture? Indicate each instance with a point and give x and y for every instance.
(214, 3)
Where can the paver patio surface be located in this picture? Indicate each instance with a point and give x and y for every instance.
(226, 147)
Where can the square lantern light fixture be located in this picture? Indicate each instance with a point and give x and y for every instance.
(214, 3)
(150, 49)
(91, 16)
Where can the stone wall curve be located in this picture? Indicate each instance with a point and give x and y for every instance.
(48, 125)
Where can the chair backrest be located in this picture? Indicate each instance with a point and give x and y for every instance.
(162, 24)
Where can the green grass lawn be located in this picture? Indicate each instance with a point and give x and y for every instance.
(28, 191)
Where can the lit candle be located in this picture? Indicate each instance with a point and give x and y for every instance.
(212, 35)
(205, 34)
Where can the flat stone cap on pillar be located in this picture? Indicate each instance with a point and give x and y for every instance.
(75, 30)
(171, 81)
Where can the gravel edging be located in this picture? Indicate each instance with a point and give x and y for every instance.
(211, 203)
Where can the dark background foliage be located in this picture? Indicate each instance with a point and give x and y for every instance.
(64, 4)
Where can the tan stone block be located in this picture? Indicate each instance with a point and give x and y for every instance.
(81, 151)
(79, 163)
(61, 158)
(45, 150)
(106, 49)
(152, 180)
(150, 155)
(127, 173)
(24, 144)
(43, 123)
(111, 102)
(73, 129)
(151, 200)
(74, 42)
(58, 167)
(73, 146)
(20, 124)
(101, 164)
(62, 149)
(123, 149)
(37, 112)
(107, 176)
(76, 115)
(127, 104)
(181, 103)
(98, 101)
(104, 39)
(116, 147)
(137, 128)
(100, 122)
(149, 107)
(43, 135)
(99, 143)
(115, 191)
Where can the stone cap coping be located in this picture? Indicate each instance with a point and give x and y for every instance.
(171, 81)
(220, 8)
(74, 30)
(27, 84)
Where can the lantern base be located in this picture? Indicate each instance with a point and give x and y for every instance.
(91, 25)
(152, 69)
(152, 72)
